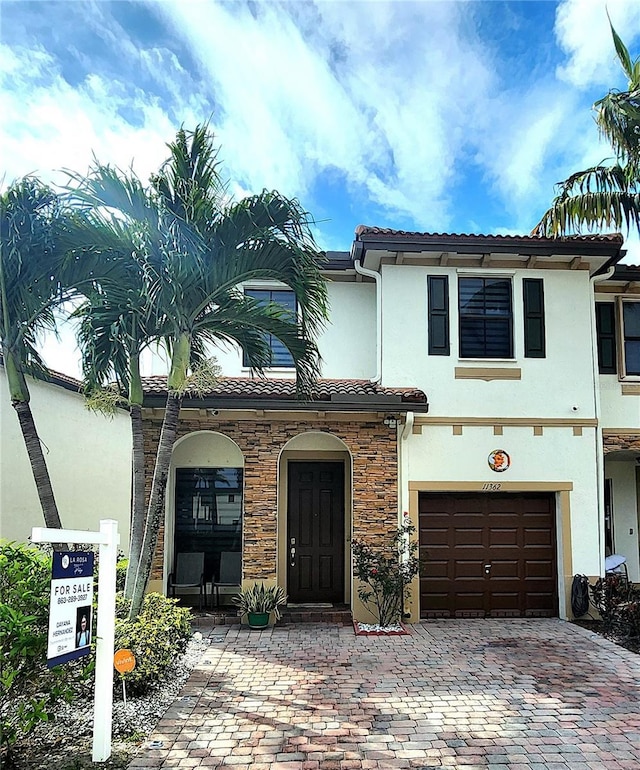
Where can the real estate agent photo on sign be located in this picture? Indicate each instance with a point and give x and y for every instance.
(83, 626)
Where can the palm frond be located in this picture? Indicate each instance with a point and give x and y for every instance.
(605, 196)
(30, 258)
(248, 323)
(585, 211)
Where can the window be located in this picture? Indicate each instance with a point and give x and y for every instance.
(485, 323)
(208, 513)
(280, 356)
(630, 318)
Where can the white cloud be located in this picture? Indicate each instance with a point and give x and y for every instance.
(582, 30)
(304, 93)
(50, 125)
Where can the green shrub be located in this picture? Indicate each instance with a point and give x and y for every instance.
(385, 572)
(121, 573)
(30, 690)
(156, 637)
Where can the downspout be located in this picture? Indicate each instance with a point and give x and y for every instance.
(404, 466)
(596, 409)
(403, 484)
(376, 277)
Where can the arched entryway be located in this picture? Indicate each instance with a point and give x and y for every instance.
(314, 519)
(204, 510)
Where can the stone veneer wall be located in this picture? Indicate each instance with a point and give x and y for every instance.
(614, 442)
(375, 479)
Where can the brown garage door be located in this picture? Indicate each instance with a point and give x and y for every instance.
(490, 555)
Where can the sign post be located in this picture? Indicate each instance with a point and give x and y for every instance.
(108, 540)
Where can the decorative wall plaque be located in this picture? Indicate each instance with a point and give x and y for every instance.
(499, 460)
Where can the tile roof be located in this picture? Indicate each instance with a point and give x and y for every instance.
(259, 388)
(57, 378)
(387, 232)
(65, 380)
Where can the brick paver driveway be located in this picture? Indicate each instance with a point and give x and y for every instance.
(497, 694)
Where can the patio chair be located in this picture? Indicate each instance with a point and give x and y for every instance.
(230, 572)
(616, 564)
(189, 573)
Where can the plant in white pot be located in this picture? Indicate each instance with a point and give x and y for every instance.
(258, 601)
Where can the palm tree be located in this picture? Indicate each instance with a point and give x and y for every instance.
(31, 226)
(605, 195)
(196, 250)
(106, 268)
(112, 335)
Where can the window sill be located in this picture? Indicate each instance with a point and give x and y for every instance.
(246, 370)
(487, 360)
(487, 373)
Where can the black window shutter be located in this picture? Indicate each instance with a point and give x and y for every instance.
(438, 290)
(534, 335)
(606, 331)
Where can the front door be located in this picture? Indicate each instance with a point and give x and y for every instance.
(315, 532)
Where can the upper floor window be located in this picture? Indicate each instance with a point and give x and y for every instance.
(280, 356)
(630, 317)
(619, 337)
(485, 317)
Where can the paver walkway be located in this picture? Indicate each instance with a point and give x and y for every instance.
(498, 694)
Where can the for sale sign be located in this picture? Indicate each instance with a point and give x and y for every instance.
(70, 607)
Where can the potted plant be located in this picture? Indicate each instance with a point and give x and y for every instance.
(258, 601)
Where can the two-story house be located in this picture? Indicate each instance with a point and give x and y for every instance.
(463, 385)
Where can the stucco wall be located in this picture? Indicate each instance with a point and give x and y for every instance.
(88, 456)
(347, 344)
(557, 456)
(549, 386)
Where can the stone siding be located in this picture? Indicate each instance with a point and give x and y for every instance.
(614, 442)
(375, 479)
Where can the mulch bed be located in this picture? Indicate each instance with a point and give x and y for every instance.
(597, 626)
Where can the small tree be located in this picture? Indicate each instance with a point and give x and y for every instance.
(386, 572)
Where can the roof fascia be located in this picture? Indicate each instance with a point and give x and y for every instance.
(291, 405)
(364, 243)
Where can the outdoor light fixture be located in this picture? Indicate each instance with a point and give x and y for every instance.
(390, 421)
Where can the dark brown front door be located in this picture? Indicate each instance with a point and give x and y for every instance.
(491, 555)
(315, 532)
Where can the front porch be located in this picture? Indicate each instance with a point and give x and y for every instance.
(285, 492)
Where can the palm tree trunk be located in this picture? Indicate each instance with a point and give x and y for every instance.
(38, 464)
(137, 508)
(155, 509)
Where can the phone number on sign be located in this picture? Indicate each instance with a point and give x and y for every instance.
(72, 599)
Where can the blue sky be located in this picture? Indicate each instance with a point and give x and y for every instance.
(431, 116)
(436, 116)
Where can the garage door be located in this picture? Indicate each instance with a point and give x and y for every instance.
(490, 555)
